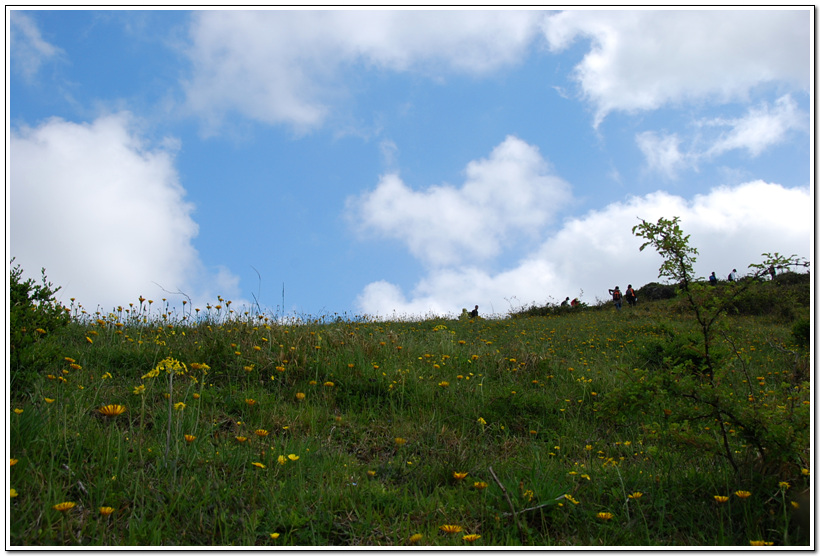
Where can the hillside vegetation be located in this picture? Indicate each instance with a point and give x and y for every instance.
(582, 427)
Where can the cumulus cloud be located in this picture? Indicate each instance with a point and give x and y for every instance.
(285, 67)
(508, 196)
(730, 226)
(29, 49)
(641, 60)
(760, 128)
(105, 214)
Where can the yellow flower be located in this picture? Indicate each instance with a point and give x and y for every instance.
(260, 432)
(64, 506)
(458, 475)
(480, 485)
(571, 499)
(12, 461)
(481, 421)
(250, 401)
(280, 368)
(400, 441)
(196, 396)
(471, 538)
(106, 510)
(12, 493)
(139, 389)
(282, 460)
(444, 384)
(259, 465)
(49, 400)
(760, 543)
(635, 495)
(371, 473)
(721, 499)
(605, 516)
(179, 406)
(112, 410)
(274, 536)
(415, 538)
(784, 485)
(17, 410)
(743, 493)
(241, 438)
(300, 396)
(89, 340)
(329, 384)
(451, 528)
(293, 457)
(189, 438)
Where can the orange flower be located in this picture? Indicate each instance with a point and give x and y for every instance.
(458, 475)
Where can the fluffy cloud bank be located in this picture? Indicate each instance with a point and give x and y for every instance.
(105, 215)
(731, 227)
(287, 66)
(643, 59)
(506, 196)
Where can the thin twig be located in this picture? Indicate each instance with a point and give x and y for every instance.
(507, 496)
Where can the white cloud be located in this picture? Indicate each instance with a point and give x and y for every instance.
(286, 66)
(105, 215)
(506, 197)
(761, 128)
(730, 226)
(641, 60)
(28, 48)
(662, 153)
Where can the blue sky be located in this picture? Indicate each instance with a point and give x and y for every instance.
(400, 162)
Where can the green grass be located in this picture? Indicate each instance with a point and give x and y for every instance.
(390, 411)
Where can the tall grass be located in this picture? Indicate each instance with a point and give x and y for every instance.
(354, 432)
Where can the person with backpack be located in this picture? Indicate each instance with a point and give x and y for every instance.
(733, 275)
(630, 296)
(616, 297)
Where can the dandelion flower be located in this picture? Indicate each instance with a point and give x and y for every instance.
(451, 528)
(400, 441)
(106, 510)
(12, 461)
(458, 475)
(260, 432)
(444, 384)
(179, 406)
(49, 400)
(250, 401)
(17, 410)
(329, 384)
(415, 538)
(274, 536)
(721, 499)
(784, 485)
(12, 493)
(259, 465)
(112, 410)
(743, 493)
(635, 495)
(293, 457)
(481, 421)
(371, 473)
(241, 438)
(64, 506)
(139, 389)
(471, 538)
(282, 460)
(300, 396)
(189, 438)
(480, 485)
(605, 516)
(571, 499)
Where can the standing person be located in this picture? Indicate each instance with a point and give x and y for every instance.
(713, 279)
(474, 313)
(733, 275)
(616, 297)
(630, 296)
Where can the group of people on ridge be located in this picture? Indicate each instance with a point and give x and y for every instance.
(617, 297)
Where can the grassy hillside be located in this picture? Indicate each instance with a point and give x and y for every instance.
(590, 427)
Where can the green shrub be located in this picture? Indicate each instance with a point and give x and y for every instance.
(34, 313)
